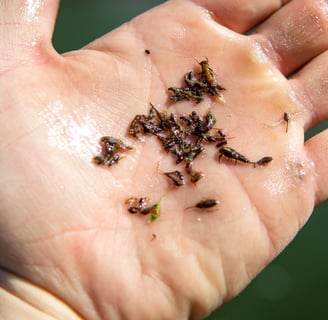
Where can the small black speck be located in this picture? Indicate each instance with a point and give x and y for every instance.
(147, 51)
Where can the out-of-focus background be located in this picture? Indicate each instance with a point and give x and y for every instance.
(295, 284)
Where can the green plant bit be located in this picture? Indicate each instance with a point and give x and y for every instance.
(155, 212)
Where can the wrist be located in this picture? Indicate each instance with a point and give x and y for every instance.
(20, 299)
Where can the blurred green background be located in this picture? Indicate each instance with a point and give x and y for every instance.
(294, 285)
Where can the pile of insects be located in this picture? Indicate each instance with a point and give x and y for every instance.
(182, 136)
(197, 85)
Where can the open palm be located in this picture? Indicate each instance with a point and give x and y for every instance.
(64, 223)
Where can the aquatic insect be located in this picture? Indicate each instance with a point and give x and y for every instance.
(136, 127)
(153, 123)
(185, 93)
(142, 124)
(208, 203)
(232, 154)
(210, 121)
(114, 159)
(208, 72)
(205, 204)
(199, 126)
(198, 84)
(111, 151)
(133, 209)
(221, 141)
(182, 136)
(141, 206)
(193, 152)
(112, 144)
(148, 209)
(176, 177)
(286, 118)
(192, 81)
(137, 205)
(263, 161)
(195, 176)
(213, 87)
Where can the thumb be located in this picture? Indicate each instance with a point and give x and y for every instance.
(26, 28)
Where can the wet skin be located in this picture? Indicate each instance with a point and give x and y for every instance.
(64, 224)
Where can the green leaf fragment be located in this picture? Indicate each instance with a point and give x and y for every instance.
(155, 213)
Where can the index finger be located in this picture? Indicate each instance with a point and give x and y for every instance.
(26, 27)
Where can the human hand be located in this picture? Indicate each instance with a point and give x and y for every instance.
(64, 225)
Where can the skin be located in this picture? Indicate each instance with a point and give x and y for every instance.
(68, 247)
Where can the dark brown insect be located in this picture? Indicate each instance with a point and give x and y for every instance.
(201, 127)
(195, 176)
(114, 159)
(221, 141)
(98, 160)
(133, 209)
(137, 205)
(219, 138)
(198, 84)
(232, 154)
(192, 81)
(162, 116)
(186, 94)
(144, 124)
(286, 119)
(111, 148)
(147, 51)
(136, 127)
(148, 209)
(208, 203)
(181, 136)
(263, 161)
(193, 151)
(205, 204)
(210, 121)
(142, 206)
(176, 177)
